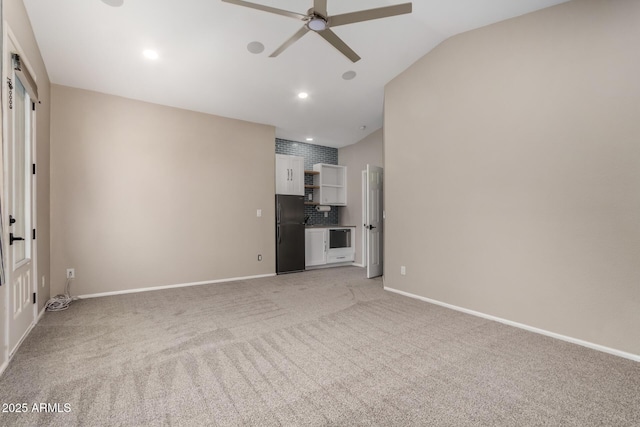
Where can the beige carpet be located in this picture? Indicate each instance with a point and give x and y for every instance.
(326, 347)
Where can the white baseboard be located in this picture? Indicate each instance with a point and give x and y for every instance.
(41, 313)
(358, 265)
(631, 356)
(333, 264)
(181, 285)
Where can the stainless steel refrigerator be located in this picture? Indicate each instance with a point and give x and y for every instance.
(289, 233)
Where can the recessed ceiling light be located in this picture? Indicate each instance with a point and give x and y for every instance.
(113, 3)
(349, 75)
(255, 47)
(150, 54)
(309, 139)
(303, 95)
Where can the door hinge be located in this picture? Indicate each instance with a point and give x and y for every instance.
(34, 297)
(33, 168)
(33, 106)
(34, 234)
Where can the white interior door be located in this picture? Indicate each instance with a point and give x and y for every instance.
(373, 225)
(365, 216)
(20, 267)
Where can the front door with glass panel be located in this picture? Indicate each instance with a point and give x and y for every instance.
(20, 267)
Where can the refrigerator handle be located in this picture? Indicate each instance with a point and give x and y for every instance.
(278, 239)
(278, 214)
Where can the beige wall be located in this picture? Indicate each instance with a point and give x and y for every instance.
(513, 169)
(17, 22)
(145, 195)
(356, 157)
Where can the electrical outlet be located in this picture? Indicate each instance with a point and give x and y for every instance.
(71, 273)
(259, 257)
(310, 197)
(259, 213)
(326, 214)
(403, 270)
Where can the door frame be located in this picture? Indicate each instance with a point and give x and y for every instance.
(365, 210)
(11, 45)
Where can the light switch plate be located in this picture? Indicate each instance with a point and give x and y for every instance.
(259, 213)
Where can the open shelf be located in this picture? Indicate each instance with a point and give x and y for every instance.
(311, 172)
(331, 184)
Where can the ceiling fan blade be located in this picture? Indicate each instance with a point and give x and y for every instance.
(336, 42)
(267, 9)
(294, 38)
(320, 7)
(368, 15)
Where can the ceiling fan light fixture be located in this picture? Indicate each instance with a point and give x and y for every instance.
(317, 24)
(318, 20)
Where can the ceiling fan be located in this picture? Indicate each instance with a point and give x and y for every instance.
(318, 20)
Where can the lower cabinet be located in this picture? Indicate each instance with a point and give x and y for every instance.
(315, 246)
(318, 247)
(340, 256)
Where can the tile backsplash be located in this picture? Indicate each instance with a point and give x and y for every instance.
(312, 154)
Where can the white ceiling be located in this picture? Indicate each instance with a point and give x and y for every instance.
(204, 64)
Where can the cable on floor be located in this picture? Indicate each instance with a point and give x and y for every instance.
(62, 301)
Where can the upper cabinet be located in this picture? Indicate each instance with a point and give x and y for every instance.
(332, 183)
(289, 175)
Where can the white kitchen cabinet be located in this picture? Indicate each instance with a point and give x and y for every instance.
(289, 175)
(315, 246)
(341, 245)
(321, 250)
(331, 181)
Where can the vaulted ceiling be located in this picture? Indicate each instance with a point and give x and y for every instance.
(204, 65)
